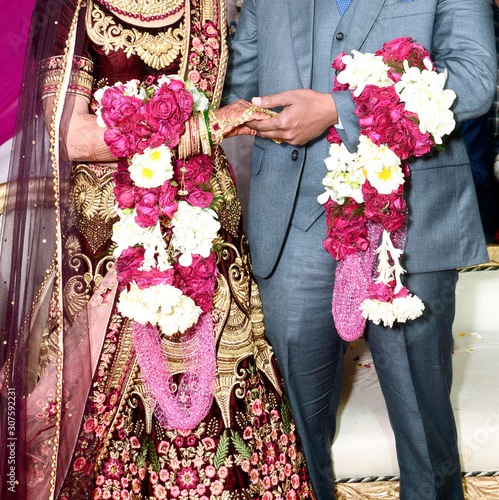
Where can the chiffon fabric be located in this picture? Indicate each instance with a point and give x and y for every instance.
(77, 418)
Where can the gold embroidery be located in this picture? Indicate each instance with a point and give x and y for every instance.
(223, 186)
(157, 51)
(144, 9)
(95, 204)
(81, 78)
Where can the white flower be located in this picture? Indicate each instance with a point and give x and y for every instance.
(152, 168)
(162, 305)
(378, 312)
(194, 230)
(410, 307)
(201, 102)
(126, 232)
(380, 165)
(344, 179)
(132, 89)
(156, 254)
(423, 93)
(364, 69)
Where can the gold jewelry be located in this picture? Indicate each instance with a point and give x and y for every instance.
(204, 136)
(217, 127)
(157, 51)
(145, 10)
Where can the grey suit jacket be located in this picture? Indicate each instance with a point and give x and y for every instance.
(271, 51)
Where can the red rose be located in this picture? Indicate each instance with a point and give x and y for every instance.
(185, 103)
(166, 200)
(128, 263)
(153, 277)
(170, 134)
(198, 197)
(147, 216)
(124, 195)
(146, 197)
(122, 175)
(119, 144)
(141, 127)
(163, 104)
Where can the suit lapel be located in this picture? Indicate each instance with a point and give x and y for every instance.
(301, 14)
(357, 22)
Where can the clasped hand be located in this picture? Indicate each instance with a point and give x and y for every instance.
(306, 115)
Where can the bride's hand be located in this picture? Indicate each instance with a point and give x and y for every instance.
(234, 116)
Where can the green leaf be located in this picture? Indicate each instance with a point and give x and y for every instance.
(222, 450)
(240, 445)
(286, 415)
(153, 456)
(141, 459)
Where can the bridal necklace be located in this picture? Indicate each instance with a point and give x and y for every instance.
(145, 10)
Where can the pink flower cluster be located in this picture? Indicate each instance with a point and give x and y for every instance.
(384, 120)
(135, 125)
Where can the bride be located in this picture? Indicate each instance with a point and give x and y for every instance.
(97, 403)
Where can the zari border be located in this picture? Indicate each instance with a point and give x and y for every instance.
(477, 485)
(224, 52)
(57, 110)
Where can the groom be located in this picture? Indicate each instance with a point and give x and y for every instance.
(283, 50)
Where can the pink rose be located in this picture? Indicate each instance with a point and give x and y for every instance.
(153, 277)
(175, 84)
(198, 169)
(119, 144)
(147, 216)
(197, 197)
(163, 104)
(146, 197)
(185, 103)
(333, 137)
(124, 195)
(167, 201)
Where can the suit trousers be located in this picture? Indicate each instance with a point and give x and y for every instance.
(412, 360)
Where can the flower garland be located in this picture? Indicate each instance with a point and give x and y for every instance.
(403, 111)
(166, 264)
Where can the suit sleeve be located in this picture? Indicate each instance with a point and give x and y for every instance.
(464, 44)
(241, 81)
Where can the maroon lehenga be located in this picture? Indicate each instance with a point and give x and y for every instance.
(91, 430)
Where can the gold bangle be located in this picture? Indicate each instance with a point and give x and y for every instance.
(204, 136)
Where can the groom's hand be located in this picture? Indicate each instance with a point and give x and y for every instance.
(306, 115)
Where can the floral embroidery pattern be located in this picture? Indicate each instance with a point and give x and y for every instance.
(204, 52)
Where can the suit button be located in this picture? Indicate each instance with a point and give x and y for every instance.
(294, 155)
(340, 36)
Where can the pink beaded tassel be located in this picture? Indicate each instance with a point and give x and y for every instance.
(354, 275)
(187, 406)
